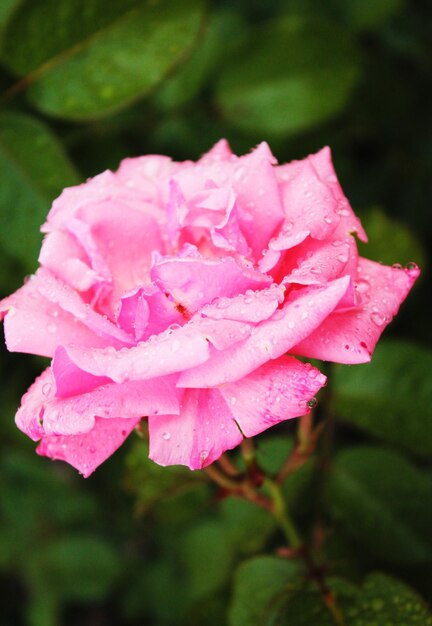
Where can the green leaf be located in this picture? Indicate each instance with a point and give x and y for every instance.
(386, 601)
(382, 502)
(88, 59)
(33, 171)
(368, 14)
(291, 75)
(207, 558)
(306, 606)
(381, 601)
(6, 8)
(211, 49)
(246, 526)
(390, 241)
(78, 567)
(391, 397)
(260, 587)
(152, 483)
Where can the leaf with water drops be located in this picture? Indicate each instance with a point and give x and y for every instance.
(390, 397)
(381, 501)
(260, 588)
(87, 59)
(33, 170)
(385, 600)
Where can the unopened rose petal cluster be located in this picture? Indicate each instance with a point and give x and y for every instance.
(181, 293)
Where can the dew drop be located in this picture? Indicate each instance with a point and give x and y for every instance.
(362, 286)
(312, 403)
(378, 318)
(166, 436)
(46, 389)
(397, 266)
(412, 266)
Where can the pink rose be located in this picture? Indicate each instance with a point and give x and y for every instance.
(175, 291)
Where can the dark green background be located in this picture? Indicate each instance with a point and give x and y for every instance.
(86, 83)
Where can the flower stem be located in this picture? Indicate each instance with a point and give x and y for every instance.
(280, 513)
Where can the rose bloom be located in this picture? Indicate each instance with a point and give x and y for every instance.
(180, 293)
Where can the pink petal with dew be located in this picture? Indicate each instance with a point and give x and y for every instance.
(350, 337)
(258, 198)
(221, 334)
(126, 239)
(322, 162)
(142, 174)
(162, 311)
(203, 431)
(57, 292)
(30, 414)
(269, 339)
(221, 151)
(163, 354)
(252, 306)
(69, 379)
(105, 187)
(137, 398)
(37, 325)
(87, 451)
(134, 314)
(194, 282)
(65, 258)
(313, 199)
(276, 391)
(316, 262)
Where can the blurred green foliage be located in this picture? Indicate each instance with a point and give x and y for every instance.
(86, 83)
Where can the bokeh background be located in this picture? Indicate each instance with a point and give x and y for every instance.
(85, 83)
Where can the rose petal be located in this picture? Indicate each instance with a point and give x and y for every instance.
(269, 339)
(194, 282)
(350, 337)
(69, 379)
(276, 391)
(30, 414)
(87, 451)
(161, 355)
(205, 430)
(137, 398)
(37, 325)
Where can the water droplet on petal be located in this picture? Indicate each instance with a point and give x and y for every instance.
(362, 286)
(166, 436)
(312, 403)
(412, 266)
(378, 318)
(46, 389)
(397, 266)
